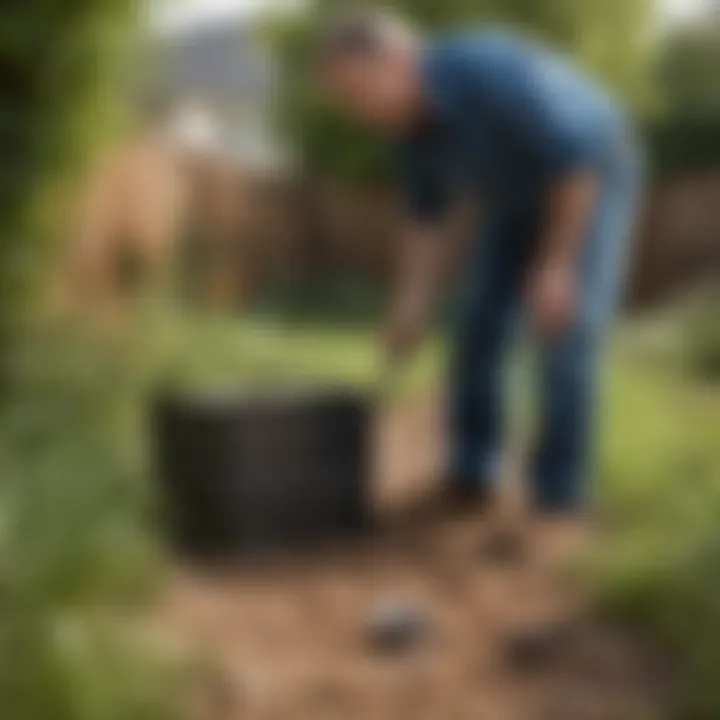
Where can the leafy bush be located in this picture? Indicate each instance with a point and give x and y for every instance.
(76, 553)
(702, 338)
(80, 667)
(680, 143)
(661, 496)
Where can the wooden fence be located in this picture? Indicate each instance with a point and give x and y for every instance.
(146, 208)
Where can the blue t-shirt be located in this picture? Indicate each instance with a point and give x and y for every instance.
(506, 118)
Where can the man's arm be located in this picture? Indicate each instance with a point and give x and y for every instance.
(552, 291)
(564, 139)
(427, 193)
(418, 278)
(570, 206)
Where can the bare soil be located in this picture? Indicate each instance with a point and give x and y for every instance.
(289, 640)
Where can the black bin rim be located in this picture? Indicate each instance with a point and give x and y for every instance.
(227, 398)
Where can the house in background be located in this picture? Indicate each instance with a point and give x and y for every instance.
(218, 84)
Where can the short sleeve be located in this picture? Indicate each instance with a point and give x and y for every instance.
(541, 103)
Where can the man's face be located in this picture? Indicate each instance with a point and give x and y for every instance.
(382, 89)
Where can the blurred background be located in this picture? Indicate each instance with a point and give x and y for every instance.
(179, 207)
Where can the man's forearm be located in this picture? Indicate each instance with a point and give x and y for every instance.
(419, 268)
(570, 206)
(416, 287)
(552, 291)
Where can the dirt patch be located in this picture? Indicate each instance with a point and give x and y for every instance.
(294, 640)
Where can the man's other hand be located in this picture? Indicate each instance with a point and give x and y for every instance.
(552, 297)
(404, 332)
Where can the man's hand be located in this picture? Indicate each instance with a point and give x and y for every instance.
(404, 331)
(553, 290)
(552, 297)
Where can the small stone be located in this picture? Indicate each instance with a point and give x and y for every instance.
(397, 628)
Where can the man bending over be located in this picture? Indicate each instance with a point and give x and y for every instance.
(551, 159)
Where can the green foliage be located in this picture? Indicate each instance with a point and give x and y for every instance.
(81, 667)
(73, 483)
(679, 143)
(608, 36)
(685, 134)
(79, 556)
(63, 68)
(661, 502)
(686, 71)
(76, 557)
(73, 492)
(326, 141)
(207, 352)
(702, 338)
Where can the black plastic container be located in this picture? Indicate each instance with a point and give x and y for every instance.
(243, 473)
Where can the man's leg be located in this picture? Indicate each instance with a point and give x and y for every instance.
(569, 369)
(488, 313)
(570, 363)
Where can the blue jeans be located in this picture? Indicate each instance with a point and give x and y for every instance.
(569, 363)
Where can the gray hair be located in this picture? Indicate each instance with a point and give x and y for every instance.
(361, 32)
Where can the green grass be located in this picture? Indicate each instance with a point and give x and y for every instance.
(258, 354)
(660, 491)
